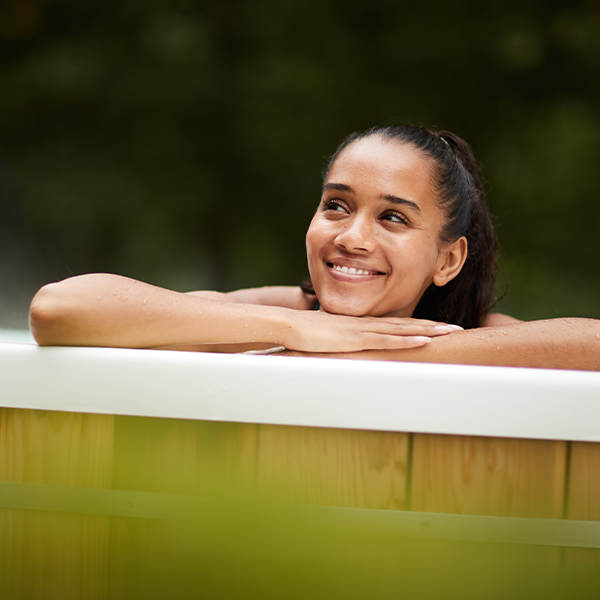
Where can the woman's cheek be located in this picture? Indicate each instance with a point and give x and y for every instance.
(315, 241)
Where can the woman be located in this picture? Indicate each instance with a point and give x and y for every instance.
(401, 254)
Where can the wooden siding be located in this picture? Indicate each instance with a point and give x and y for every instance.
(61, 555)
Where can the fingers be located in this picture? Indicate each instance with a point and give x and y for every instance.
(393, 342)
(408, 327)
(408, 324)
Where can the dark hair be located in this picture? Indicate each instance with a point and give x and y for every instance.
(466, 299)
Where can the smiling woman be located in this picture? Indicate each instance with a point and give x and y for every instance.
(402, 258)
(375, 244)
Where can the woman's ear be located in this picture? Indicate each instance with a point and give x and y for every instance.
(451, 261)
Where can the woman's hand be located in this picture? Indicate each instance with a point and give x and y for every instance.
(567, 343)
(312, 331)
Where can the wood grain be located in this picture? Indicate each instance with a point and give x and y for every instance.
(334, 467)
(56, 448)
(583, 499)
(53, 555)
(488, 476)
(492, 476)
(158, 559)
(179, 456)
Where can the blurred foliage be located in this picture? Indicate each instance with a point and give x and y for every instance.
(181, 141)
(262, 552)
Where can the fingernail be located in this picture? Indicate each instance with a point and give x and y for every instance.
(421, 339)
(443, 328)
(456, 328)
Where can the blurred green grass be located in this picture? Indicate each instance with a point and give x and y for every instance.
(261, 553)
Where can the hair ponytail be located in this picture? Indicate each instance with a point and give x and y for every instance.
(467, 299)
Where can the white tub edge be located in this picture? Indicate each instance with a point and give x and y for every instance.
(374, 395)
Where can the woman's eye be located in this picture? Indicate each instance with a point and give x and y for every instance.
(333, 205)
(395, 218)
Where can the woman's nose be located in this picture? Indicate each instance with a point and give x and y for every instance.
(356, 236)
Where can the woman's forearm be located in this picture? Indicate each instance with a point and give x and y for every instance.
(109, 310)
(568, 343)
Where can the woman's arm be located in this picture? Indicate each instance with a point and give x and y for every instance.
(114, 311)
(553, 344)
(284, 296)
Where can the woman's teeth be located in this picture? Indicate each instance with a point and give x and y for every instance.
(351, 270)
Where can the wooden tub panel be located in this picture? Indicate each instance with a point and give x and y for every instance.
(336, 467)
(210, 460)
(183, 456)
(491, 476)
(488, 476)
(54, 555)
(49, 555)
(56, 448)
(583, 499)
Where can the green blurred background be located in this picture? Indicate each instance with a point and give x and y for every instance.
(181, 142)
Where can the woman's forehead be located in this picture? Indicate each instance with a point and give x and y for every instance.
(390, 153)
(384, 163)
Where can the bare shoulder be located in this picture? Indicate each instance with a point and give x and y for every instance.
(497, 319)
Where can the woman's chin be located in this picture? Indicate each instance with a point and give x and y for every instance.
(339, 306)
(357, 307)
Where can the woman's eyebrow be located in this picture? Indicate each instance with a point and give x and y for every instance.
(395, 200)
(338, 187)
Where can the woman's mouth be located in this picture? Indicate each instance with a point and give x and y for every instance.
(357, 271)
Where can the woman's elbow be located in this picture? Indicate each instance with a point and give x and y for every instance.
(48, 316)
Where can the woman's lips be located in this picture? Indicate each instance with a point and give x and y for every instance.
(352, 272)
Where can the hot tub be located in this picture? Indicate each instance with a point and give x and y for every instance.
(138, 473)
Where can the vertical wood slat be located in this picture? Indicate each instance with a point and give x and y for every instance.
(51, 555)
(583, 500)
(180, 456)
(335, 467)
(201, 458)
(488, 476)
(492, 476)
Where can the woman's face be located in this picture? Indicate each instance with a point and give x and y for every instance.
(374, 243)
